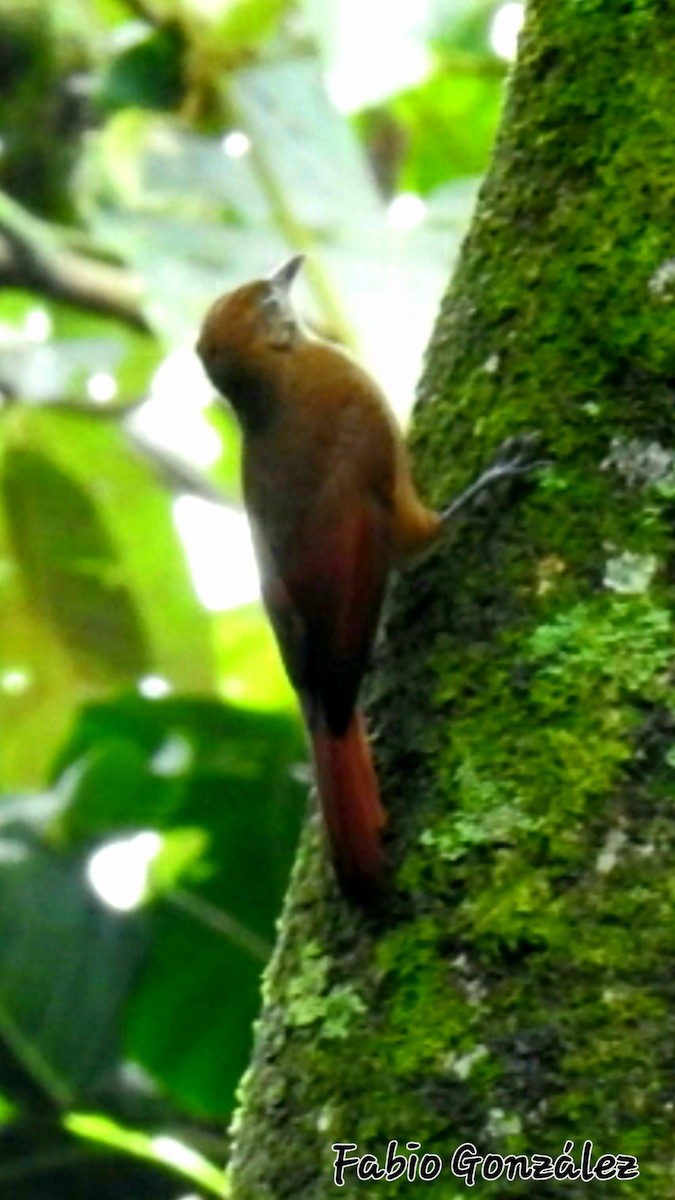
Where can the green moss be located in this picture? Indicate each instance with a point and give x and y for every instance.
(311, 1001)
(427, 1018)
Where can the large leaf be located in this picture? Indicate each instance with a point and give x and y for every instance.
(229, 772)
(190, 1023)
(93, 581)
(450, 121)
(70, 564)
(66, 968)
(39, 682)
(147, 74)
(142, 555)
(197, 763)
(245, 23)
(249, 666)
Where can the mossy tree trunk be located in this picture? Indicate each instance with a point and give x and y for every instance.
(520, 990)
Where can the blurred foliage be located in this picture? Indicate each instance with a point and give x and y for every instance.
(172, 149)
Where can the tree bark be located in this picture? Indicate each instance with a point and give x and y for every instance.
(519, 990)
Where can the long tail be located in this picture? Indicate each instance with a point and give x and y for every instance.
(353, 813)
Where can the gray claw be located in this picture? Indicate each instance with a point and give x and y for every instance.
(513, 458)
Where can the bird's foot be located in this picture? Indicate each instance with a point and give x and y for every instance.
(516, 456)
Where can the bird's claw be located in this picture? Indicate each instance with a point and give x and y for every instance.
(514, 457)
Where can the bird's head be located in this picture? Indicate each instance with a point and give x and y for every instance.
(246, 330)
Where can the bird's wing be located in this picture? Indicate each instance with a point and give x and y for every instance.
(325, 608)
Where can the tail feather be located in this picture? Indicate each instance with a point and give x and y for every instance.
(352, 810)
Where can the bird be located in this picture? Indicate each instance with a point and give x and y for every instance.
(333, 510)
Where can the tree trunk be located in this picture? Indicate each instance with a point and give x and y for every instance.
(520, 989)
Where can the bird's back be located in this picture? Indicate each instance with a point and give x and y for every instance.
(331, 446)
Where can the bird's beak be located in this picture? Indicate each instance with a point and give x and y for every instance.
(283, 276)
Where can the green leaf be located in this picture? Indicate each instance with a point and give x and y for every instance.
(450, 121)
(109, 789)
(234, 778)
(148, 560)
(7, 1110)
(83, 506)
(465, 26)
(248, 22)
(250, 669)
(70, 565)
(236, 793)
(66, 967)
(149, 74)
(29, 652)
(173, 1154)
(191, 1019)
(181, 855)
(90, 1156)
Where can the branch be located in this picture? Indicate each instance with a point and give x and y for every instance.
(32, 256)
(172, 471)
